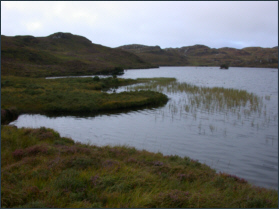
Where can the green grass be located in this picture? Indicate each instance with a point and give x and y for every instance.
(41, 169)
(72, 95)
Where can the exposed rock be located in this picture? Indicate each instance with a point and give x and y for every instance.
(59, 35)
(8, 115)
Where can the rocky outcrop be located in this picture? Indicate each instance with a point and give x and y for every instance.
(8, 115)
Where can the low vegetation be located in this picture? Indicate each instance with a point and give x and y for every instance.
(72, 95)
(41, 169)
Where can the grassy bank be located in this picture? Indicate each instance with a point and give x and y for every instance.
(41, 169)
(72, 95)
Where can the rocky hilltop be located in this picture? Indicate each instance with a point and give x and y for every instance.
(200, 55)
(62, 54)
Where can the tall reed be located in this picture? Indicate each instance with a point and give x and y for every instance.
(210, 99)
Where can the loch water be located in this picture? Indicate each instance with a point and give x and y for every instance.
(234, 142)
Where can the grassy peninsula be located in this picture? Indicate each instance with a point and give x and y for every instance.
(41, 169)
(72, 95)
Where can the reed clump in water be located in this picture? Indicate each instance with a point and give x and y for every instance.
(195, 101)
(210, 99)
(41, 169)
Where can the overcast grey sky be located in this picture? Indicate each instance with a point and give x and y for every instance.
(218, 24)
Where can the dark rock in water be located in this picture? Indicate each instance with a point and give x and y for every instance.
(224, 66)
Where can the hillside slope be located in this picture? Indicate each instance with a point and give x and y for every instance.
(204, 56)
(62, 54)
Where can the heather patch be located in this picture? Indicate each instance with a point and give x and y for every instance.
(41, 173)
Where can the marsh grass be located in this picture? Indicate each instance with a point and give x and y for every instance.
(267, 97)
(232, 106)
(36, 171)
(188, 99)
(210, 99)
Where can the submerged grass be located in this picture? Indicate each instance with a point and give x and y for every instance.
(72, 95)
(41, 169)
(208, 98)
(204, 99)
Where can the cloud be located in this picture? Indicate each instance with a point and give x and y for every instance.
(167, 23)
(33, 26)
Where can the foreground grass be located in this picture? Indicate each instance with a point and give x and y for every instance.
(41, 169)
(72, 95)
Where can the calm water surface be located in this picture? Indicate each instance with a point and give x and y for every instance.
(236, 143)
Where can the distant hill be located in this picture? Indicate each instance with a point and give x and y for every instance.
(62, 54)
(200, 55)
